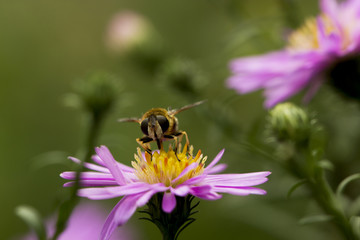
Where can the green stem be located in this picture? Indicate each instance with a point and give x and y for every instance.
(326, 198)
(322, 193)
(68, 206)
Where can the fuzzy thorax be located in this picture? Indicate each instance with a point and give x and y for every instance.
(165, 167)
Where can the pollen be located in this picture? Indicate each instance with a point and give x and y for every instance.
(307, 36)
(165, 167)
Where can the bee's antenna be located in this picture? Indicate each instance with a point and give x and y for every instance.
(129, 120)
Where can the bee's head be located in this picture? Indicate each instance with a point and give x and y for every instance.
(153, 124)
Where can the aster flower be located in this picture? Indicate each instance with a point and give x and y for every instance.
(312, 51)
(173, 175)
(85, 223)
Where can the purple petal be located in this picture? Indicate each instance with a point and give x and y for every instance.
(181, 190)
(194, 180)
(240, 191)
(237, 180)
(87, 176)
(144, 199)
(90, 165)
(185, 171)
(120, 214)
(277, 64)
(68, 175)
(200, 190)
(215, 161)
(123, 167)
(99, 193)
(205, 192)
(329, 7)
(159, 187)
(131, 177)
(111, 192)
(330, 43)
(93, 183)
(105, 155)
(244, 83)
(290, 85)
(285, 74)
(216, 169)
(98, 160)
(241, 175)
(272, 61)
(155, 188)
(168, 202)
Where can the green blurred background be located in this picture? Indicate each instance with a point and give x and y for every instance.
(47, 45)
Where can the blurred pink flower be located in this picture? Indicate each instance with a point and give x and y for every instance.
(85, 223)
(311, 50)
(173, 174)
(127, 30)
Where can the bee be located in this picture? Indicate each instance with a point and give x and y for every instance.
(159, 124)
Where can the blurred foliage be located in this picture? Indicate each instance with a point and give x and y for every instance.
(46, 45)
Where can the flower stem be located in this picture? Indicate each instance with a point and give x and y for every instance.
(322, 193)
(171, 224)
(68, 206)
(326, 198)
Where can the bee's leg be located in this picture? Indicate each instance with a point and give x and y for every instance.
(180, 135)
(159, 144)
(165, 137)
(144, 143)
(176, 143)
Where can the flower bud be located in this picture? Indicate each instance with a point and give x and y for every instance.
(96, 93)
(289, 122)
(182, 75)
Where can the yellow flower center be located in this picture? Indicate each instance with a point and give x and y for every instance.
(164, 167)
(307, 36)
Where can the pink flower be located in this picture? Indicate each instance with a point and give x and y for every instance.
(311, 50)
(84, 223)
(174, 174)
(126, 31)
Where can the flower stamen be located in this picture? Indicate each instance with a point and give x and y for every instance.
(164, 167)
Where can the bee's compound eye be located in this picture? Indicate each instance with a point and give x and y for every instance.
(163, 122)
(144, 126)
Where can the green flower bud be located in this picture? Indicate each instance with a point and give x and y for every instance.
(289, 122)
(96, 93)
(182, 75)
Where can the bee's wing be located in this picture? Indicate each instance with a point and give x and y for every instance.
(129, 120)
(176, 111)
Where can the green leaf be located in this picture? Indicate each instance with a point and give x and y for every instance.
(345, 182)
(33, 219)
(295, 186)
(315, 219)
